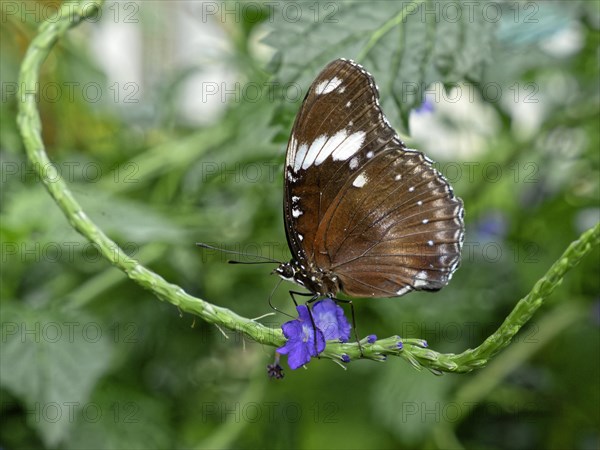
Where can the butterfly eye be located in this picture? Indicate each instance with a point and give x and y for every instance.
(285, 271)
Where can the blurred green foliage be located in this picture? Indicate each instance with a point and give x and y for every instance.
(89, 360)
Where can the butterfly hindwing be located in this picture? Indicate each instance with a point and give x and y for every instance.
(396, 227)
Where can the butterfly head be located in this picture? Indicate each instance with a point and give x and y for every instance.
(285, 271)
(311, 278)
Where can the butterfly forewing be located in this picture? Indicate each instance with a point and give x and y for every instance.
(358, 204)
(338, 127)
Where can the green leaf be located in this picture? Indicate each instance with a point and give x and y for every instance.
(405, 45)
(409, 404)
(119, 417)
(51, 360)
(30, 210)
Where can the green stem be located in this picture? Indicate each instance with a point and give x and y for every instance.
(29, 123)
(414, 350)
(548, 327)
(93, 287)
(419, 356)
(551, 325)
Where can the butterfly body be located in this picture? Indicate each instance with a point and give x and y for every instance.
(317, 281)
(364, 214)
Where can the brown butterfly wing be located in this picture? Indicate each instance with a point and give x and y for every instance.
(358, 203)
(394, 227)
(338, 125)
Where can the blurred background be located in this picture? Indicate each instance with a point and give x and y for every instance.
(169, 122)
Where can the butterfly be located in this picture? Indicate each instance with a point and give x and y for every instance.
(364, 215)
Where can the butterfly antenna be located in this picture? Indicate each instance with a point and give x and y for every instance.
(233, 252)
(271, 298)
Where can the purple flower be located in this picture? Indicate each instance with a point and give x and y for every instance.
(300, 346)
(425, 107)
(330, 319)
(492, 225)
(331, 324)
(371, 338)
(345, 358)
(275, 371)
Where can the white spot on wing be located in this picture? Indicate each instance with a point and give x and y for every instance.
(370, 154)
(296, 213)
(360, 181)
(299, 157)
(398, 177)
(327, 86)
(292, 146)
(313, 151)
(403, 290)
(340, 147)
(295, 198)
(300, 237)
(421, 279)
(425, 221)
(430, 243)
(348, 145)
(348, 104)
(354, 163)
(411, 189)
(420, 203)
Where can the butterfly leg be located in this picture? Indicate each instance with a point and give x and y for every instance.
(308, 302)
(312, 320)
(353, 321)
(303, 294)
